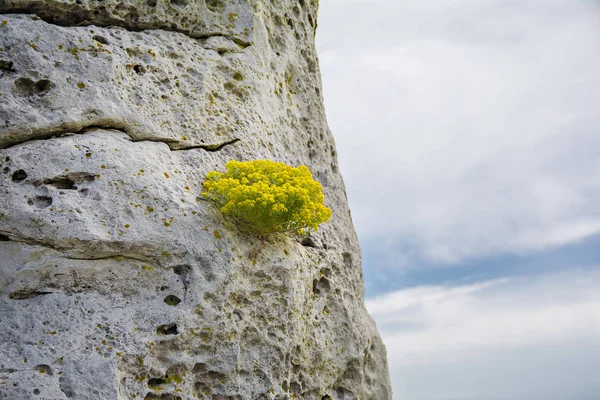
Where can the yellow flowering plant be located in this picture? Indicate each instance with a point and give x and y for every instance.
(265, 196)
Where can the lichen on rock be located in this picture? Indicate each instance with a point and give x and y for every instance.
(116, 280)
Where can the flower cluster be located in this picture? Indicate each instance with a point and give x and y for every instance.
(264, 196)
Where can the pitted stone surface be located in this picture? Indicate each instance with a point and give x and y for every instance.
(153, 84)
(116, 280)
(195, 18)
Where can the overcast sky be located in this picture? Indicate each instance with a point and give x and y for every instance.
(468, 137)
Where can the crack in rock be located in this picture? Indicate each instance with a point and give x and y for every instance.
(25, 294)
(174, 145)
(74, 18)
(118, 256)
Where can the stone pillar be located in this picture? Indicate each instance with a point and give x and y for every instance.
(116, 280)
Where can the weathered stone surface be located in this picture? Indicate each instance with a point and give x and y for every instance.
(155, 84)
(116, 280)
(197, 19)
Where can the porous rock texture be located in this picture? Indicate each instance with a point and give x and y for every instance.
(117, 281)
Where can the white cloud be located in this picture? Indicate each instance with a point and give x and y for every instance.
(466, 128)
(513, 339)
(392, 303)
(559, 234)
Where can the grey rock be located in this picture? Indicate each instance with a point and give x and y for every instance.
(197, 19)
(117, 281)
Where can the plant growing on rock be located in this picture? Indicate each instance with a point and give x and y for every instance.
(264, 196)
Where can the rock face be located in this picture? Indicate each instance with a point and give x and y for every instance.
(116, 280)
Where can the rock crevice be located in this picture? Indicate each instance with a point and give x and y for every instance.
(66, 131)
(196, 19)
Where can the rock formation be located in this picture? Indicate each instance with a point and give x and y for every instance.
(116, 280)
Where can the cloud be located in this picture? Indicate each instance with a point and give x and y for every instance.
(520, 338)
(559, 234)
(466, 129)
(399, 301)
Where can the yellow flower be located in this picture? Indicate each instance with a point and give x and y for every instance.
(264, 196)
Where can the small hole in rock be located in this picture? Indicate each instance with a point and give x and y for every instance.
(140, 69)
(172, 300)
(200, 368)
(100, 39)
(316, 287)
(133, 15)
(24, 86)
(61, 183)
(347, 259)
(43, 86)
(6, 170)
(215, 5)
(44, 369)
(321, 286)
(36, 391)
(179, 3)
(19, 175)
(4, 238)
(68, 181)
(170, 329)
(164, 396)
(308, 242)
(6, 65)
(238, 314)
(156, 382)
(182, 269)
(40, 201)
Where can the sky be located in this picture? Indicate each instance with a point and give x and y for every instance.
(467, 135)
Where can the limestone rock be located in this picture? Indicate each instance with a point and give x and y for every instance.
(117, 281)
